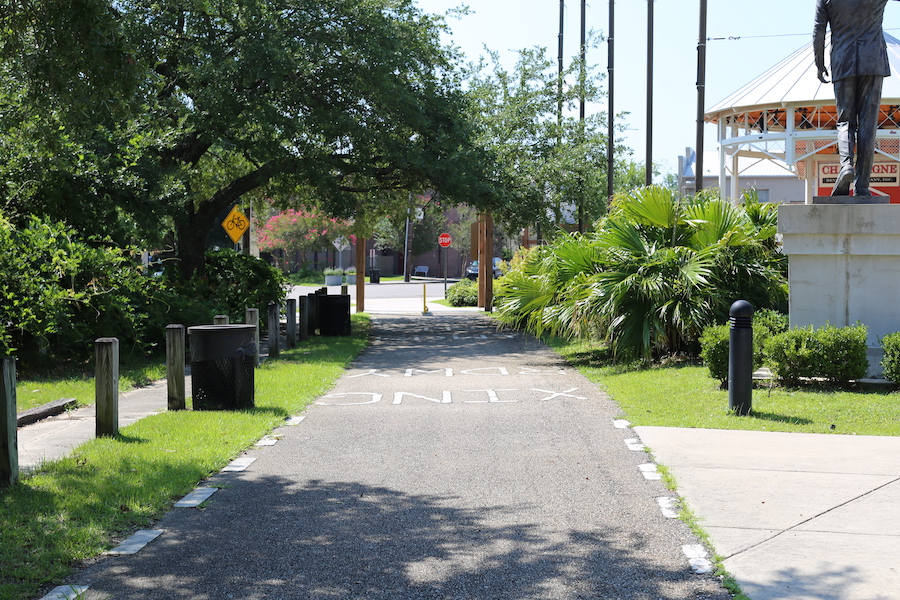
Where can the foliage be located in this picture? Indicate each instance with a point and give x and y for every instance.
(236, 282)
(656, 272)
(463, 293)
(302, 231)
(715, 341)
(890, 362)
(60, 293)
(333, 271)
(835, 354)
(552, 162)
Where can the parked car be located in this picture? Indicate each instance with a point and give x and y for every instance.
(472, 269)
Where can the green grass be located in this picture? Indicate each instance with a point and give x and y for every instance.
(31, 393)
(684, 395)
(78, 507)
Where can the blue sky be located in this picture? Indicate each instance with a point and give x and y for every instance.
(768, 31)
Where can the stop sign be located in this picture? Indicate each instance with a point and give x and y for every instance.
(444, 240)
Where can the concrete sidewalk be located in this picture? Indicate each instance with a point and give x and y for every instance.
(798, 516)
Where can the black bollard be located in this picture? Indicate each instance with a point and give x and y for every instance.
(740, 358)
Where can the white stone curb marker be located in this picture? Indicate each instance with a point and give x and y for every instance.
(648, 470)
(196, 498)
(634, 445)
(267, 441)
(668, 506)
(696, 555)
(136, 543)
(238, 465)
(621, 424)
(293, 420)
(66, 592)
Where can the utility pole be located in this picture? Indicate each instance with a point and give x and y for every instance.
(701, 97)
(648, 162)
(611, 118)
(582, 76)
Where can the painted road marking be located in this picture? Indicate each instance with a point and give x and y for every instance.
(136, 543)
(447, 371)
(66, 592)
(564, 394)
(445, 399)
(374, 398)
(196, 498)
(238, 465)
(369, 372)
(497, 371)
(492, 397)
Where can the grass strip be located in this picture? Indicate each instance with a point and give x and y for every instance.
(31, 393)
(684, 395)
(78, 507)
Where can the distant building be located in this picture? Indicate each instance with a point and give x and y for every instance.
(772, 180)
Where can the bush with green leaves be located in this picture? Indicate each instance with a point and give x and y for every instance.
(715, 340)
(235, 282)
(834, 354)
(463, 293)
(890, 362)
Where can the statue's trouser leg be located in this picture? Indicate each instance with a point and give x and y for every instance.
(869, 102)
(845, 94)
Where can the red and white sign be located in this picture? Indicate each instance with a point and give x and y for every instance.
(884, 180)
(445, 240)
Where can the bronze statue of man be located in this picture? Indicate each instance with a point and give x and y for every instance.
(859, 64)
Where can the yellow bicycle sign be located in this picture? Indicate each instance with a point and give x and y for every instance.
(235, 224)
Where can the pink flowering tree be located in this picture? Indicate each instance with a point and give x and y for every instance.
(302, 231)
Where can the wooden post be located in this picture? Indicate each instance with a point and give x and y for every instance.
(360, 275)
(344, 290)
(291, 322)
(274, 329)
(251, 317)
(485, 262)
(304, 317)
(175, 366)
(220, 320)
(9, 446)
(106, 386)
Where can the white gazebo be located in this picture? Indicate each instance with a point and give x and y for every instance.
(787, 115)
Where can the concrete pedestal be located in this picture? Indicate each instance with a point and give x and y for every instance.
(844, 267)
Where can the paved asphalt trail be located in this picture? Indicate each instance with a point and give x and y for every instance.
(452, 461)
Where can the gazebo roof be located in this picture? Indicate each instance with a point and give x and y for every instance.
(794, 83)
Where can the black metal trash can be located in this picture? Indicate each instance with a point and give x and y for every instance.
(334, 315)
(223, 362)
(374, 275)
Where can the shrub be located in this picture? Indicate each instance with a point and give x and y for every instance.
(715, 342)
(350, 270)
(463, 293)
(890, 362)
(333, 271)
(835, 354)
(237, 282)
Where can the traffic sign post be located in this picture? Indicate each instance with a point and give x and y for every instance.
(341, 243)
(444, 240)
(235, 224)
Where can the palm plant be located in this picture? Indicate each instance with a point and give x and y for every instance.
(657, 271)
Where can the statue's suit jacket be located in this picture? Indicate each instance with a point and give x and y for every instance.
(857, 39)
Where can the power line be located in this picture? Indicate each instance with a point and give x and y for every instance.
(755, 37)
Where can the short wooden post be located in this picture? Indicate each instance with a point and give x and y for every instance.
(251, 317)
(344, 289)
(9, 446)
(175, 366)
(220, 320)
(106, 386)
(274, 329)
(304, 317)
(291, 322)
